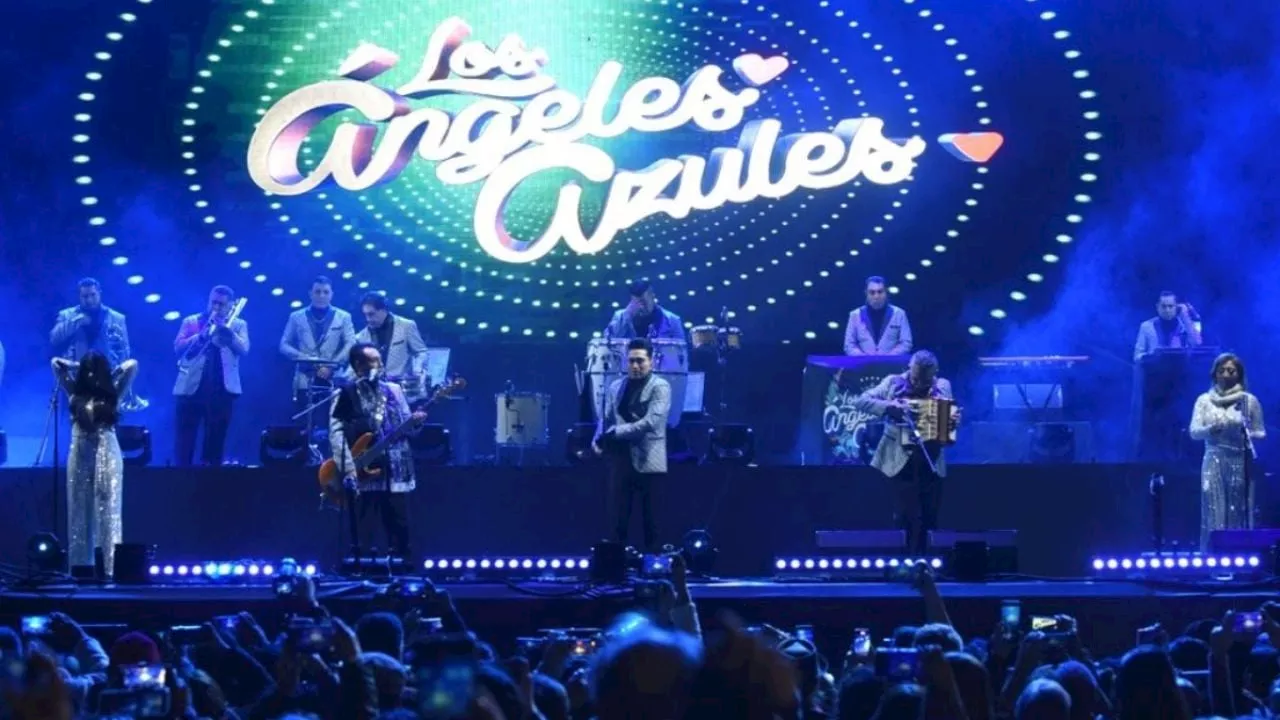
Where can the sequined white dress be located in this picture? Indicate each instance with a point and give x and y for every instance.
(1219, 419)
(95, 479)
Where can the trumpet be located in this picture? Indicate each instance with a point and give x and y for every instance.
(197, 348)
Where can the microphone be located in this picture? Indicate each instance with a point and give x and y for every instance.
(509, 389)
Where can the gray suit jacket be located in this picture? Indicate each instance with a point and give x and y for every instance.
(407, 355)
(68, 339)
(895, 340)
(621, 328)
(647, 436)
(1149, 337)
(189, 373)
(891, 455)
(299, 343)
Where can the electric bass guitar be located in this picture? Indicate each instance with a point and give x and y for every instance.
(368, 449)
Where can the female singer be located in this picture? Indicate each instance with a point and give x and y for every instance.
(95, 468)
(1228, 420)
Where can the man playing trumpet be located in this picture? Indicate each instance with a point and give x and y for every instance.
(209, 346)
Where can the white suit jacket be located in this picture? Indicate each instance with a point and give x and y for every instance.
(891, 455)
(407, 354)
(299, 343)
(895, 340)
(189, 373)
(647, 437)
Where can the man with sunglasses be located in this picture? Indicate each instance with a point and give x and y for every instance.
(632, 432)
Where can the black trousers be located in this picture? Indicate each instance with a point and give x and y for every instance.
(212, 409)
(919, 492)
(387, 510)
(625, 485)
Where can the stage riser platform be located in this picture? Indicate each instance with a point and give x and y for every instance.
(1063, 514)
(1107, 621)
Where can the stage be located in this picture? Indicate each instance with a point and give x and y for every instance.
(1063, 514)
(1108, 612)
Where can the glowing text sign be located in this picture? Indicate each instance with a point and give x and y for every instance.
(503, 143)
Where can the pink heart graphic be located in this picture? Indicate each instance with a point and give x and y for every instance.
(756, 71)
(976, 147)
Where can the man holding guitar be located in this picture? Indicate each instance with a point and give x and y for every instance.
(376, 478)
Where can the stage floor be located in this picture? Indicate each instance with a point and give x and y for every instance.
(1108, 612)
(1064, 514)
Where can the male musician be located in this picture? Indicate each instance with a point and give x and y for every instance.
(633, 431)
(91, 326)
(404, 353)
(374, 406)
(644, 318)
(877, 328)
(917, 468)
(209, 347)
(320, 332)
(1173, 327)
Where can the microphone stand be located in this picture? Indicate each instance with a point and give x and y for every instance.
(52, 426)
(1248, 459)
(312, 449)
(722, 360)
(910, 424)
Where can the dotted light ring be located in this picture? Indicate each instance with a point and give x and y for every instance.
(1081, 197)
(83, 161)
(279, 72)
(681, 253)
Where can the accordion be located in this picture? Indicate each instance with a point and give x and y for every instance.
(934, 421)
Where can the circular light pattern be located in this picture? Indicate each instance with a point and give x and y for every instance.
(451, 263)
(1081, 198)
(281, 70)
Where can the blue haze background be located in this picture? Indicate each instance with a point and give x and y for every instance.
(1185, 201)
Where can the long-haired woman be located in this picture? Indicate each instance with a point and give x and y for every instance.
(1228, 419)
(95, 467)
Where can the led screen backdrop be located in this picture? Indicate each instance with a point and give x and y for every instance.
(894, 140)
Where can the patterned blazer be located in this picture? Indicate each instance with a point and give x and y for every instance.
(647, 437)
(299, 342)
(1149, 337)
(895, 340)
(669, 327)
(350, 416)
(891, 455)
(68, 338)
(407, 355)
(189, 373)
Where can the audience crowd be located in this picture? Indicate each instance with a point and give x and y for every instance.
(658, 663)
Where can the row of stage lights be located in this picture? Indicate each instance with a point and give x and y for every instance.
(879, 563)
(1177, 563)
(242, 571)
(536, 563)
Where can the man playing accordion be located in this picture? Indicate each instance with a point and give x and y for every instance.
(920, 420)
